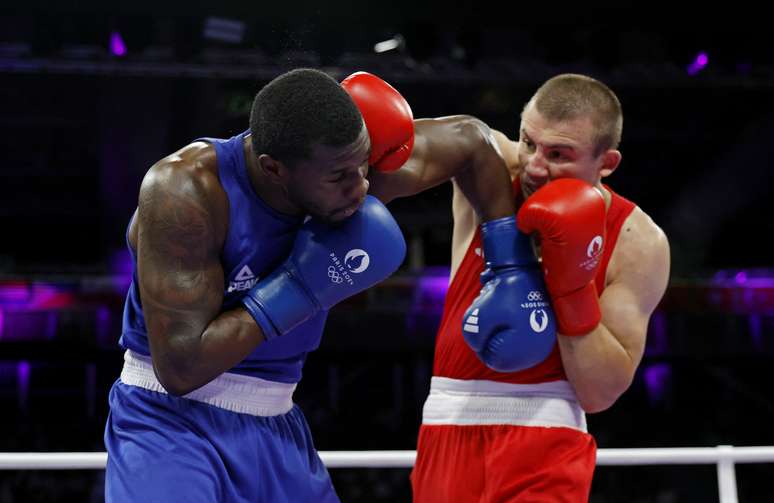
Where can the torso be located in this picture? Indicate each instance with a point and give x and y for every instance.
(253, 239)
(453, 358)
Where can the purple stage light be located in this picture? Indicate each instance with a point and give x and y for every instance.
(431, 289)
(698, 64)
(26, 296)
(657, 377)
(122, 267)
(657, 341)
(117, 46)
(15, 292)
(428, 298)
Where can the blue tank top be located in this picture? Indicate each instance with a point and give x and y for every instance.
(258, 240)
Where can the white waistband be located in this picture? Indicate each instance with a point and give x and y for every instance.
(234, 392)
(463, 402)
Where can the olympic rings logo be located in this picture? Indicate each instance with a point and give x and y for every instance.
(334, 275)
(534, 296)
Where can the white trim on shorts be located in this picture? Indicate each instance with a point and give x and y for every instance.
(234, 392)
(471, 402)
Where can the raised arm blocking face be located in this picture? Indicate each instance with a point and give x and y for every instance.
(601, 365)
(456, 147)
(180, 228)
(638, 277)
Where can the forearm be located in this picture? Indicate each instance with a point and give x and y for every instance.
(189, 359)
(457, 147)
(484, 180)
(598, 366)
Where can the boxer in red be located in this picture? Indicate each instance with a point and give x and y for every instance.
(520, 436)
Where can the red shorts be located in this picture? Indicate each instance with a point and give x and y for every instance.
(498, 463)
(502, 463)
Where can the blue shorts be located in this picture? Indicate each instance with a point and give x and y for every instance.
(163, 448)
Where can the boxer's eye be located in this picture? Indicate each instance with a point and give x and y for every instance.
(338, 177)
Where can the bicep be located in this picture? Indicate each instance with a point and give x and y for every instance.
(623, 315)
(629, 300)
(180, 276)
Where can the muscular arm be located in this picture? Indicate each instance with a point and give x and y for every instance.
(181, 227)
(458, 147)
(601, 364)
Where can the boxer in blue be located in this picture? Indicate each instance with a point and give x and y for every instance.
(240, 247)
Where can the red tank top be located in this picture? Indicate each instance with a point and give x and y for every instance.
(453, 357)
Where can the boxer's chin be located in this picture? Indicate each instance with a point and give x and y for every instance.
(531, 183)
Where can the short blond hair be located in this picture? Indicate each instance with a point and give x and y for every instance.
(571, 96)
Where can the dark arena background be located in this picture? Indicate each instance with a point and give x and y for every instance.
(94, 93)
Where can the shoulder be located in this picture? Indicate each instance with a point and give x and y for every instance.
(192, 168)
(509, 149)
(641, 257)
(191, 172)
(641, 236)
(186, 183)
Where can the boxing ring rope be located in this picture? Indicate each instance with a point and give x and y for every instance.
(724, 456)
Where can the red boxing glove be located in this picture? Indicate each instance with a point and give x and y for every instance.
(570, 217)
(387, 117)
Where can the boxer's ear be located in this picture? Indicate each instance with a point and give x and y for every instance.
(275, 170)
(610, 161)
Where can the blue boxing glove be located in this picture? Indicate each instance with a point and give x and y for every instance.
(510, 325)
(326, 265)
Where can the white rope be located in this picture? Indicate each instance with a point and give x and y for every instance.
(724, 456)
(405, 459)
(53, 460)
(368, 459)
(685, 455)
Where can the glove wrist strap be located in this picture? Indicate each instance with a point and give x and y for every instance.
(578, 313)
(505, 245)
